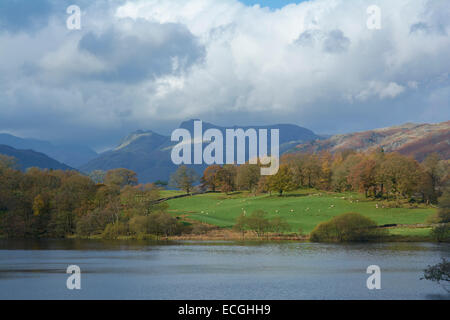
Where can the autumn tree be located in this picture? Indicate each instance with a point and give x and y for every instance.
(7, 162)
(263, 185)
(340, 172)
(296, 163)
(431, 179)
(325, 174)
(282, 181)
(247, 176)
(209, 178)
(184, 178)
(141, 200)
(400, 175)
(312, 170)
(226, 178)
(98, 176)
(121, 177)
(363, 176)
(443, 214)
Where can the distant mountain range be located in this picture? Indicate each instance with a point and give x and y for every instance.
(148, 153)
(72, 155)
(145, 152)
(29, 158)
(417, 140)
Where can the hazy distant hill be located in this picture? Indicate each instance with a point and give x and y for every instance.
(417, 140)
(290, 135)
(72, 155)
(30, 158)
(148, 153)
(145, 152)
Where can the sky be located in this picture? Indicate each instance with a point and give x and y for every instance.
(151, 64)
(273, 4)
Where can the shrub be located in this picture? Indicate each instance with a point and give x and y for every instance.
(279, 225)
(94, 222)
(201, 228)
(114, 230)
(441, 233)
(258, 223)
(163, 224)
(139, 225)
(347, 227)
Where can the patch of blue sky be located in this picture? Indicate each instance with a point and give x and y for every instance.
(273, 4)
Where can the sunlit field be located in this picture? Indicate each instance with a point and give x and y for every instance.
(302, 209)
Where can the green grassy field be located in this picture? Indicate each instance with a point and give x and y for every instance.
(170, 193)
(421, 232)
(301, 209)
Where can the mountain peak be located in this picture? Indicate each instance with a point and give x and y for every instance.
(149, 153)
(134, 136)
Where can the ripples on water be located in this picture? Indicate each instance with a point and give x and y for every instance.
(218, 270)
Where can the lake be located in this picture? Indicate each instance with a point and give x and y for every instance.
(216, 270)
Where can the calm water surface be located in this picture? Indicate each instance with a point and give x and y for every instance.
(219, 270)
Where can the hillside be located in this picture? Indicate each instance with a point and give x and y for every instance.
(145, 152)
(301, 208)
(30, 158)
(73, 155)
(417, 140)
(148, 153)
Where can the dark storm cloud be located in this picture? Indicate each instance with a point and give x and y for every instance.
(152, 50)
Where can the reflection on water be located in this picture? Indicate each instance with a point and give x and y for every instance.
(216, 270)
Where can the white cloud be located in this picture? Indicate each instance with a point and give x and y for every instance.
(314, 64)
(381, 90)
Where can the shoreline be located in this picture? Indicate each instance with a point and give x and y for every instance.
(227, 238)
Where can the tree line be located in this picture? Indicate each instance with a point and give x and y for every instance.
(376, 174)
(56, 203)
